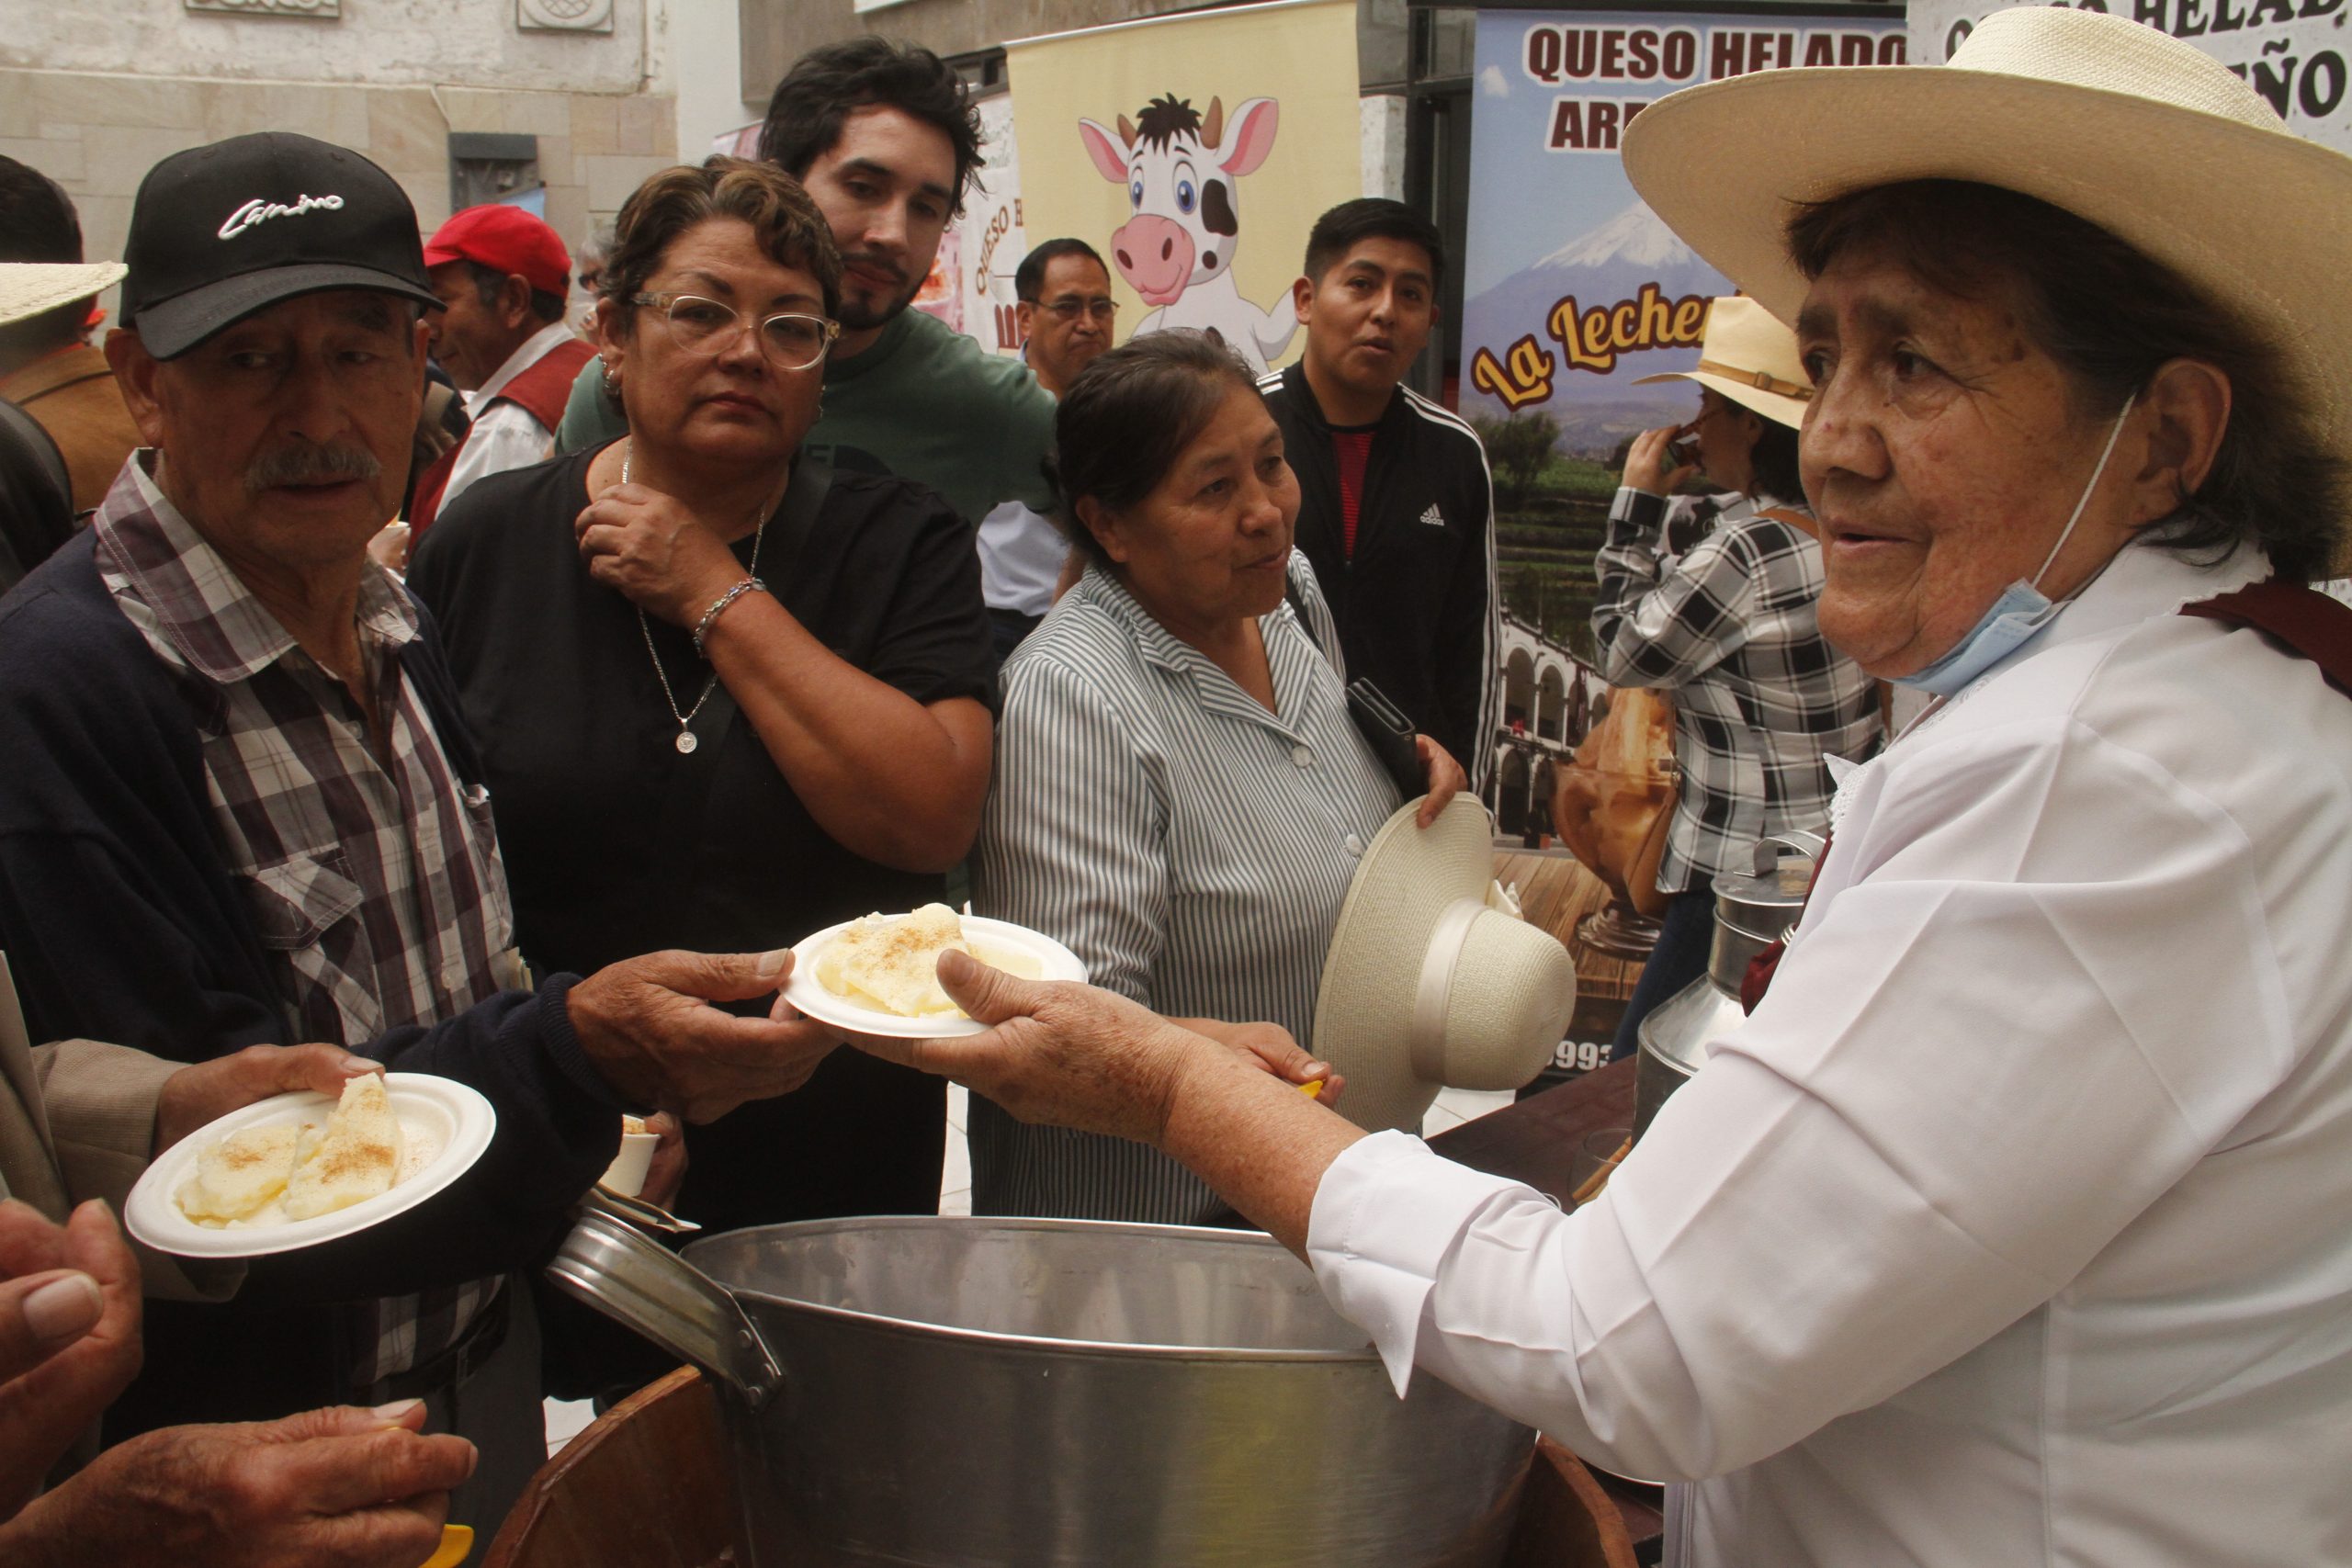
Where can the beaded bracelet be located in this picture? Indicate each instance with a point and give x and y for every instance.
(717, 606)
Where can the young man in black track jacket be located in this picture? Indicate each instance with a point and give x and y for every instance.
(1396, 510)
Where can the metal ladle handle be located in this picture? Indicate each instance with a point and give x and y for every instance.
(635, 1280)
(1765, 858)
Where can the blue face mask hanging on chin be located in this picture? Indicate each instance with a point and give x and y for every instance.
(2018, 615)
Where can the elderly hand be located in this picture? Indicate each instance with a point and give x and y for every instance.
(340, 1488)
(195, 1096)
(1446, 779)
(666, 1171)
(644, 1024)
(1064, 1053)
(1649, 469)
(1270, 1048)
(68, 1335)
(656, 551)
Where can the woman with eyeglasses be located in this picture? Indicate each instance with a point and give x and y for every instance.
(723, 696)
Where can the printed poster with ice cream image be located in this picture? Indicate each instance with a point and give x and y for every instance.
(1194, 154)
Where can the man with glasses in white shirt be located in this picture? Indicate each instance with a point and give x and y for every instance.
(1066, 314)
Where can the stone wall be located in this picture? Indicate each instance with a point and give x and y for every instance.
(374, 42)
(97, 134)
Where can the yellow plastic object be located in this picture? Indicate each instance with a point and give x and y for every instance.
(1312, 1087)
(457, 1542)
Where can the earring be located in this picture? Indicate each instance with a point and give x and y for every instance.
(612, 383)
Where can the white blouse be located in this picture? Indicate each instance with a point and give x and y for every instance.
(2016, 1225)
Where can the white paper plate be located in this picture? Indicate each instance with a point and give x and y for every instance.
(455, 1114)
(1053, 960)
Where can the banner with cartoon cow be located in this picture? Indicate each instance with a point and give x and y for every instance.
(1194, 153)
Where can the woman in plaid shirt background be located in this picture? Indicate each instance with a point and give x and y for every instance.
(1761, 701)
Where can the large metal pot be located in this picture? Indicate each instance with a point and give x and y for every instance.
(980, 1392)
(1751, 913)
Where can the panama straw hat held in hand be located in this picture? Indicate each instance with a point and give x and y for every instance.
(1427, 983)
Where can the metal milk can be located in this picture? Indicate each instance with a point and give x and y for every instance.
(1751, 913)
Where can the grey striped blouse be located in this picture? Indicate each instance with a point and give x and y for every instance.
(1191, 846)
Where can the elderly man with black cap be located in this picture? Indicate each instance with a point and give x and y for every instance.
(240, 809)
(2010, 1227)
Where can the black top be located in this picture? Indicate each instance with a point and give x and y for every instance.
(36, 495)
(1414, 603)
(609, 851)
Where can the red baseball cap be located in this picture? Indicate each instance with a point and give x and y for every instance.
(505, 238)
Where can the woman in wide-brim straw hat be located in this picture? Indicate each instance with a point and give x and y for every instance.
(2010, 1227)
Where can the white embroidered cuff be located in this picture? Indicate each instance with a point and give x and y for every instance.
(1385, 1215)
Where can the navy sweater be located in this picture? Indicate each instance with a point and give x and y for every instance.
(122, 922)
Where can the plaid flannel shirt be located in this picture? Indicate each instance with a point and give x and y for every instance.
(1760, 700)
(374, 879)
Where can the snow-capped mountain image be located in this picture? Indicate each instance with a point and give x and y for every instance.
(1634, 236)
(1600, 267)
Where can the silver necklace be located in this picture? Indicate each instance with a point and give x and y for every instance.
(685, 741)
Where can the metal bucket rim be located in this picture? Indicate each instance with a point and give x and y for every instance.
(916, 1327)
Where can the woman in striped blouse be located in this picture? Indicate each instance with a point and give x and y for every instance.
(1181, 795)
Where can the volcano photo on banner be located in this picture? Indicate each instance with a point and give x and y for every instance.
(1572, 288)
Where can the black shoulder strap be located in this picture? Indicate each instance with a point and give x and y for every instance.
(680, 831)
(1297, 602)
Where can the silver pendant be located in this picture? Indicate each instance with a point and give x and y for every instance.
(686, 741)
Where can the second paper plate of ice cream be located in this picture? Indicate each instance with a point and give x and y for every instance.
(877, 975)
(297, 1170)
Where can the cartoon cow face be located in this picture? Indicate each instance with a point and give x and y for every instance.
(1179, 170)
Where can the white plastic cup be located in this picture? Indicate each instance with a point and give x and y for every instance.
(625, 1175)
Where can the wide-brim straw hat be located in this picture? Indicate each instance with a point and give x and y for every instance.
(1427, 983)
(2153, 140)
(1751, 357)
(27, 289)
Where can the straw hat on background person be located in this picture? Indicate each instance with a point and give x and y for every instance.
(1750, 358)
(2141, 134)
(1431, 984)
(27, 289)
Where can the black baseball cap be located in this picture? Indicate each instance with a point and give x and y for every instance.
(219, 232)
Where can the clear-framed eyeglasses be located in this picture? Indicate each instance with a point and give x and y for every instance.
(1070, 307)
(791, 340)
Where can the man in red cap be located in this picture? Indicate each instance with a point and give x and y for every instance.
(502, 277)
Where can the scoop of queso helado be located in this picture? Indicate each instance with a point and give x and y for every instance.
(891, 963)
(286, 1171)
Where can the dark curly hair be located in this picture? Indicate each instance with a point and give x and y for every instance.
(2110, 316)
(1125, 418)
(789, 227)
(814, 100)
